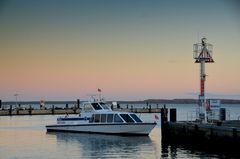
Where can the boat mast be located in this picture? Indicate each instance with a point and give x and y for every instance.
(100, 94)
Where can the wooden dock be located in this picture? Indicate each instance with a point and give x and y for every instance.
(38, 112)
(55, 111)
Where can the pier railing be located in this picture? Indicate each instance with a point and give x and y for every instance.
(212, 116)
(192, 116)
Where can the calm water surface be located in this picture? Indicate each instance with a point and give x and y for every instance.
(25, 137)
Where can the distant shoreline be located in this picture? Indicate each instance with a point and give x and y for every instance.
(148, 101)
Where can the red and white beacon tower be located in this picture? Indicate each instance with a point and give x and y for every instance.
(202, 53)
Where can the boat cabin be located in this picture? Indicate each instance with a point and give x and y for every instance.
(113, 117)
(100, 113)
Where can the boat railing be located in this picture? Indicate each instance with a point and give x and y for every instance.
(213, 116)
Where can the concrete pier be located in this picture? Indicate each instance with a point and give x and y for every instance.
(220, 133)
(209, 132)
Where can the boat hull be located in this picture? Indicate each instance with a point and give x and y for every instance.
(115, 129)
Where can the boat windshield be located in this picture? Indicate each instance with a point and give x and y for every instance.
(117, 119)
(104, 106)
(96, 106)
(134, 116)
(127, 118)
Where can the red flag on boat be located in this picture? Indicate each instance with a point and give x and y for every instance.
(99, 90)
(156, 117)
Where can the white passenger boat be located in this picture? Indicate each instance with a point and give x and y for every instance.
(97, 117)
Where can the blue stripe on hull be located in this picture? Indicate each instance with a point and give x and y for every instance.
(72, 119)
(101, 124)
(89, 132)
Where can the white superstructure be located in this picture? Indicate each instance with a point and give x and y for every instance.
(97, 117)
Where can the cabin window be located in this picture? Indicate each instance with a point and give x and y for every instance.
(97, 118)
(136, 118)
(104, 106)
(96, 106)
(103, 118)
(117, 118)
(87, 107)
(127, 118)
(110, 118)
(91, 119)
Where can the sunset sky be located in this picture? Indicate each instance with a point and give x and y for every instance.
(131, 49)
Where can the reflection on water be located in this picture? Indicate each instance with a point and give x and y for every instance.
(106, 146)
(24, 137)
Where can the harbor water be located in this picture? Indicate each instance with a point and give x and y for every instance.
(25, 137)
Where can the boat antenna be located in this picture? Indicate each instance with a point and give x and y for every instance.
(100, 94)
